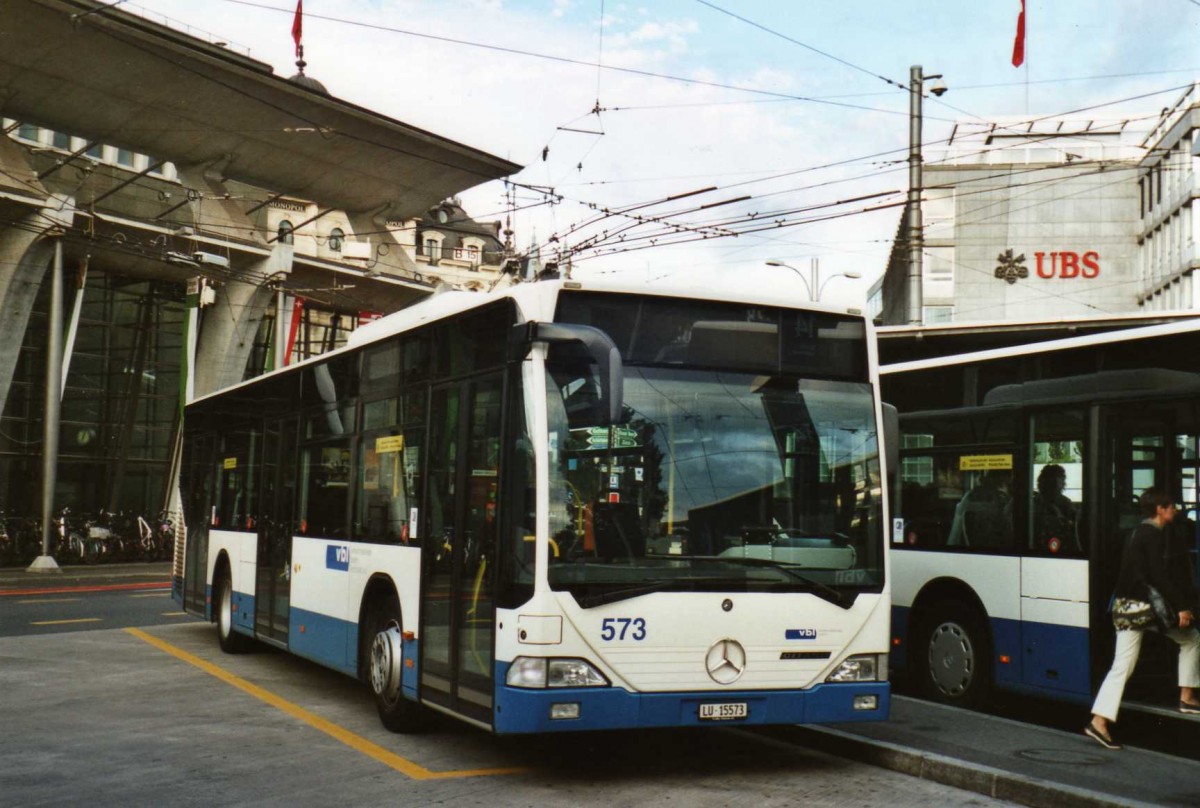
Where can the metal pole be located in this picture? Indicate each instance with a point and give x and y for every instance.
(916, 304)
(52, 410)
(281, 330)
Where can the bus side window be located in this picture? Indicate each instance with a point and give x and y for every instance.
(983, 517)
(1056, 483)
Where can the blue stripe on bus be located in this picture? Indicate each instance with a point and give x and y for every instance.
(1043, 658)
(520, 710)
(324, 639)
(243, 612)
(410, 674)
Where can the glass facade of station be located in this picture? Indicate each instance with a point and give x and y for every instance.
(120, 402)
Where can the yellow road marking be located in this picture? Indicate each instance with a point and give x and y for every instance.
(356, 742)
(174, 614)
(64, 622)
(50, 600)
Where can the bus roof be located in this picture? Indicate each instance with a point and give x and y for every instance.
(1179, 326)
(535, 299)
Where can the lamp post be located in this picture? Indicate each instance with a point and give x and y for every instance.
(916, 240)
(815, 287)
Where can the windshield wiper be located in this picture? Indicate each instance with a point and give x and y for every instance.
(823, 591)
(662, 585)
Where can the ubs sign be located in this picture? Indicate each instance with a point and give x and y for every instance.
(1064, 264)
(1060, 264)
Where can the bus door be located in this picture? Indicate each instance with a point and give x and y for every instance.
(273, 579)
(1149, 444)
(1055, 585)
(459, 547)
(196, 489)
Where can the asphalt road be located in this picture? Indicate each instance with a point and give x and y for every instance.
(48, 609)
(82, 598)
(97, 714)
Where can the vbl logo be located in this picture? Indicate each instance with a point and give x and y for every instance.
(1068, 264)
(800, 634)
(337, 557)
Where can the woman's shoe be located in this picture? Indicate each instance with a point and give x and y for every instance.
(1102, 738)
(1188, 707)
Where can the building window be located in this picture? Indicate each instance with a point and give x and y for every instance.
(286, 232)
(336, 237)
(95, 151)
(433, 250)
(125, 157)
(60, 140)
(28, 131)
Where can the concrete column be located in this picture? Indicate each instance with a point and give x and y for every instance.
(227, 333)
(28, 252)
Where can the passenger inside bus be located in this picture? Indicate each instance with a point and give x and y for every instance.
(1055, 520)
(983, 517)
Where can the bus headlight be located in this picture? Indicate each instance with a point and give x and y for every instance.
(860, 668)
(537, 672)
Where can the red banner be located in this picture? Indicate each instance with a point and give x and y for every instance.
(1018, 43)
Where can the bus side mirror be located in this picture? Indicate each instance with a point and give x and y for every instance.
(891, 438)
(600, 348)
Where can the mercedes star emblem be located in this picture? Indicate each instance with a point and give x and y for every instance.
(725, 661)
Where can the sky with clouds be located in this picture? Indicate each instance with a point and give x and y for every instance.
(794, 104)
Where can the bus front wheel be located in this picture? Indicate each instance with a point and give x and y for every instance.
(385, 664)
(231, 642)
(952, 655)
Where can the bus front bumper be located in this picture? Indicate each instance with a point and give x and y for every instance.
(521, 710)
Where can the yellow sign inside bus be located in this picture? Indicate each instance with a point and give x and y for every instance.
(389, 443)
(230, 463)
(994, 462)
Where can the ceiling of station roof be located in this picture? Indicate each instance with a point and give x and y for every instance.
(121, 80)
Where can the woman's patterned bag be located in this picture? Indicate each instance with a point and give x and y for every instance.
(1130, 614)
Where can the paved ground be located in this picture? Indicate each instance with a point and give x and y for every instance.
(87, 710)
(160, 716)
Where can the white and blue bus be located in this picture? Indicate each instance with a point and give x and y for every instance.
(562, 506)
(1023, 450)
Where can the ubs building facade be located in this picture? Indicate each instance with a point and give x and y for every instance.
(1054, 219)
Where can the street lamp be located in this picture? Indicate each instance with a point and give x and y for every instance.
(815, 287)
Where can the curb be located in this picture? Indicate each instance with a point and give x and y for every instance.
(980, 779)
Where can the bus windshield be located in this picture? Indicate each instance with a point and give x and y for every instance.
(715, 480)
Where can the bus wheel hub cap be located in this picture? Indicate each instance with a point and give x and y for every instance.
(951, 658)
(386, 656)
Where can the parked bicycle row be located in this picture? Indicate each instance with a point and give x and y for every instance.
(105, 537)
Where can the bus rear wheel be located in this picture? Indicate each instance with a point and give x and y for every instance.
(384, 668)
(952, 655)
(231, 642)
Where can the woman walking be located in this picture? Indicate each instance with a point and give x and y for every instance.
(1150, 559)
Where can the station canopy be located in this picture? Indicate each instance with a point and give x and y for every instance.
(76, 66)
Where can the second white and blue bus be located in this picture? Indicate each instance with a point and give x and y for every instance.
(1024, 449)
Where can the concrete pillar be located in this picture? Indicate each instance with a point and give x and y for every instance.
(227, 333)
(390, 255)
(28, 252)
